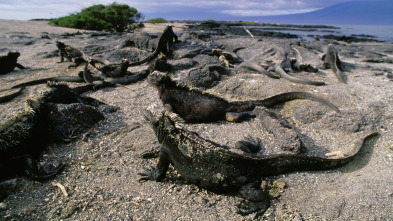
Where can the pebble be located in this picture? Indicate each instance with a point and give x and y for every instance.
(3, 206)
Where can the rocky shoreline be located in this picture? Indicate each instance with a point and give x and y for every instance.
(258, 29)
(102, 163)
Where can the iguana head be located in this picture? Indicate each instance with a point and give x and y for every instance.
(125, 63)
(60, 44)
(13, 55)
(157, 78)
(153, 114)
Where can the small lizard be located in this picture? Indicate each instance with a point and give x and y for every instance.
(167, 38)
(74, 54)
(9, 62)
(196, 106)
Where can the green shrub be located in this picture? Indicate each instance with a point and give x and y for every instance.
(156, 20)
(113, 17)
(249, 23)
(208, 21)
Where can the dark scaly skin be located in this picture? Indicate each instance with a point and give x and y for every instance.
(23, 137)
(285, 66)
(94, 76)
(289, 77)
(22, 141)
(255, 67)
(113, 70)
(74, 54)
(168, 37)
(332, 61)
(195, 106)
(45, 80)
(69, 52)
(232, 58)
(9, 62)
(212, 166)
(11, 96)
(23, 85)
(66, 51)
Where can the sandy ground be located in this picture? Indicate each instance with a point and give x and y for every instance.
(101, 174)
(37, 27)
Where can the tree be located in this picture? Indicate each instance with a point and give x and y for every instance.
(113, 17)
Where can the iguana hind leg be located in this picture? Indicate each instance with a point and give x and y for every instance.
(26, 165)
(238, 117)
(44, 175)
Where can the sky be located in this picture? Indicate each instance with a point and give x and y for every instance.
(33, 9)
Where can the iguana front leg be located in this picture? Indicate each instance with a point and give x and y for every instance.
(20, 66)
(255, 200)
(159, 173)
(249, 144)
(61, 57)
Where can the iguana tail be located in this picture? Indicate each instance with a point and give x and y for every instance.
(44, 80)
(289, 96)
(149, 58)
(289, 77)
(11, 96)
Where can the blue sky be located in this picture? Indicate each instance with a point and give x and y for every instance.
(29, 9)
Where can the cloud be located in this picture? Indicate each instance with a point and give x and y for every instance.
(251, 12)
(29, 9)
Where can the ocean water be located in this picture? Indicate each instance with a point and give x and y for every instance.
(381, 32)
(377, 32)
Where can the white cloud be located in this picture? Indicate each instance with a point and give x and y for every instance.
(28, 9)
(247, 12)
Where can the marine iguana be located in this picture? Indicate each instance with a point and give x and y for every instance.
(111, 82)
(21, 141)
(254, 67)
(285, 66)
(333, 62)
(112, 70)
(88, 78)
(23, 136)
(74, 54)
(45, 80)
(167, 38)
(299, 65)
(215, 167)
(228, 57)
(23, 85)
(9, 62)
(97, 76)
(196, 106)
